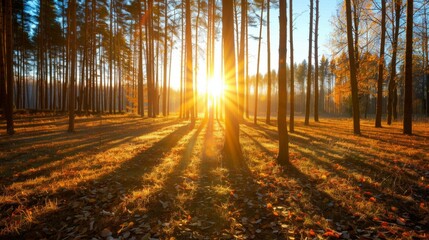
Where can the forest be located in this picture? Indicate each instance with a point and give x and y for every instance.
(214, 119)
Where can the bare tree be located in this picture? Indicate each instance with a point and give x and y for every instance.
(379, 108)
(283, 156)
(292, 71)
(72, 35)
(310, 42)
(352, 66)
(316, 65)
(408, 104)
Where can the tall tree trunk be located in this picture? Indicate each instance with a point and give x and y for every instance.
(316, 65)
(310, 42)
(255, 117)
(182, 72)
(379, 108)
(247, 66)
(189, 69)
(164, 94)
(196, 59)
(392, 81)
(283, 156)
(208, 59)
(232, 148)
(292, 71)
(352, 65)
(72, 35)
(408, 99)
(241, 70)
(8, 94)
(267, 120)
(111, 58)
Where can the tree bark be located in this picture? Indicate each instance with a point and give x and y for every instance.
(316, 65)
(292, 71)
(189, 69)
(255, 117)
(283, 156)
(232, 150)
(310, 42)
(267, 120)
(241, 70)
(392, 82)
(72, 35)
(379, 108)
(408, 100)
(353, 77)
(8, 107)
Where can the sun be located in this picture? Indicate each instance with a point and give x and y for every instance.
(215, 87)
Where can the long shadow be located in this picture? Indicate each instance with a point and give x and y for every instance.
(179, 170)
(206, 202)
(318, 198)
(248, 208)
(354, 157)
(355, 160)
(143, 162)
(91, 145)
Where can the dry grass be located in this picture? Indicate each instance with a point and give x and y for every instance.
(160, 178)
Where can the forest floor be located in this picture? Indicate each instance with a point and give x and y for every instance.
(124, 177)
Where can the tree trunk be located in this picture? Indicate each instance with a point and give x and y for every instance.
(408, 104)
(255, 117)
(241, 70)
(232, 148)
(8, 94)
(283, 156)
(353, 77)
(72, 35)
(292, 71)
(316, 65)
(196, 59)
(164, 89)
(189, 70)
(310, 42)
(267, 120)
(379, 109)
(392, 82)
(111, 58)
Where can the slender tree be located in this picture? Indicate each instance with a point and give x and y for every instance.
(283, 156)
(232, 149)
(310, 42)
(408, 105)
(7, 47)
(140, 102)
(189, 70)
(241, 69)
(352, 66)
(292, 71)
(267, 120)
(316, 64)
(72, 35)
(379, 108)
(164, 89)
(255, 117)
(392, 81)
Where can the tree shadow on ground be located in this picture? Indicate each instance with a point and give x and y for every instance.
(93, 197)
